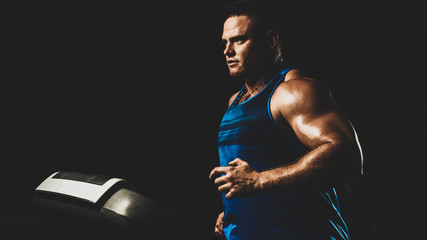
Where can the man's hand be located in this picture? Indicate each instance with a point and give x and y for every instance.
(219, 224)
(236, 180)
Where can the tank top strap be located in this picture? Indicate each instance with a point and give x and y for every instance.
(268, 90)
(280, 77)
(275, 81)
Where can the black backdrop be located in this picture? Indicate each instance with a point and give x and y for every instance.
(138, 91)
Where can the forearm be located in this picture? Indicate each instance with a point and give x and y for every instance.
(327, 165)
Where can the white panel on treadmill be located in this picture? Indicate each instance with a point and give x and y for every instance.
(86, 191)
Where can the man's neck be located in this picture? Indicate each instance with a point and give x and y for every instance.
(263, 76)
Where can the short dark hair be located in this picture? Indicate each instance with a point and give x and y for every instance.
(262, 13)
(264, 16)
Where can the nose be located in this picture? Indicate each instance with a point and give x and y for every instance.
(228, 51)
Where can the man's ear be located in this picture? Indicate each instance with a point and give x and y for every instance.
(273, 38)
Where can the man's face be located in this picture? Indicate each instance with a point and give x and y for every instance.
(241, 50)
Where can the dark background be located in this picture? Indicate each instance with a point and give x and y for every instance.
(137, 91)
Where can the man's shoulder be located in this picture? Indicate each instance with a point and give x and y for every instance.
(296, 81)
(299, 87)
(230, 101)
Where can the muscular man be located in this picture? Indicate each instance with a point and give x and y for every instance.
(283, 143)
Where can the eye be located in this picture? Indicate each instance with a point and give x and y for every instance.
(240, 40)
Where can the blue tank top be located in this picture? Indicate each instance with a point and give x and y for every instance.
(248, 131)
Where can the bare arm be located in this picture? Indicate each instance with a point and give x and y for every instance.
(334, 156)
